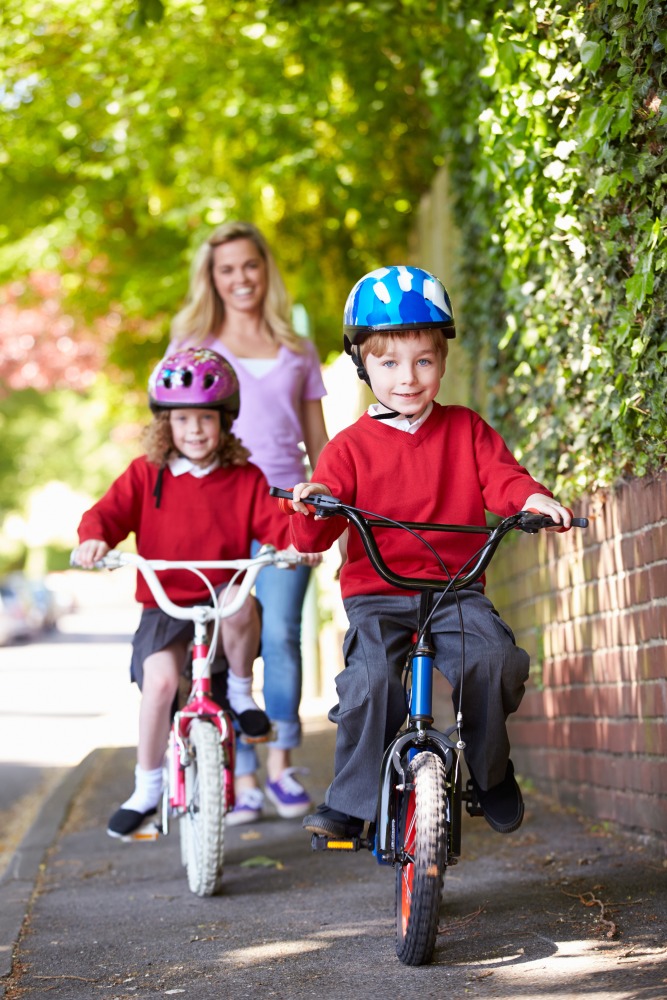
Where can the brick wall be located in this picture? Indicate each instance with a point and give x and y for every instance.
(591, 608)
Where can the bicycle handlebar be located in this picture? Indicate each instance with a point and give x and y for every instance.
(327, 506)
(267, 556)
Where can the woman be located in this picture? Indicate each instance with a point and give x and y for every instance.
(238, 305)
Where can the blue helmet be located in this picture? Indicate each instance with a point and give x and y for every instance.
(393, 299)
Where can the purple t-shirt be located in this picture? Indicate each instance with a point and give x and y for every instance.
(269, 422)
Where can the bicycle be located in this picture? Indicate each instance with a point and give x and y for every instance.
(199, 765)
(417, 829)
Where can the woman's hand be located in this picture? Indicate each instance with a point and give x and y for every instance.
(538, 503)
(89, 553)
(306, 490)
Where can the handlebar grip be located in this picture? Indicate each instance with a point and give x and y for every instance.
(284, 498)
(545, 521)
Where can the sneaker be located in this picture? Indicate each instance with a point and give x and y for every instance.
(248, 807)
(288, 794)
(127, 821)
(330, 823)
(502, 804)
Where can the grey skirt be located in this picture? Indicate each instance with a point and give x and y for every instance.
(156, 631)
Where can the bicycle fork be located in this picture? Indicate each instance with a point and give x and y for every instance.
(385, 838)
(179, 756)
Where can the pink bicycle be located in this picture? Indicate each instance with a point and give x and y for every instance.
(199, 764)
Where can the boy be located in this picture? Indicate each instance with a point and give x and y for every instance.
(411, 459)
(193, 495)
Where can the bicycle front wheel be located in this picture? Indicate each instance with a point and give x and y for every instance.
(202, 828)
(420, 876)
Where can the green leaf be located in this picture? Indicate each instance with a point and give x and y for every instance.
(261, 861)
(591, 54)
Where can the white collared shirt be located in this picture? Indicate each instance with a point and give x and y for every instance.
(179, 465)
(401, 423)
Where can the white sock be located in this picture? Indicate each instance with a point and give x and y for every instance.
(147, 790)
(239, 693)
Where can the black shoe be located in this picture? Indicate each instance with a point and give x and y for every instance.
(254, 724)
(331, 823)
(502, 805)
(127, 821)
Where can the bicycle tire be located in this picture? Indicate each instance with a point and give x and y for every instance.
(203, 825)
(419, 879)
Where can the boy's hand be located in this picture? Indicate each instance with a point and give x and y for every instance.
(306, 490)
(89, 553)
(538, 503)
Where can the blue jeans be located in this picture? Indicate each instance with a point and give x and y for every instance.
(281, 593)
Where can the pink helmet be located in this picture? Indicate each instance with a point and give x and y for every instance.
(196, 377)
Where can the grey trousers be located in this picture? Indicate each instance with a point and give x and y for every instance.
(371, 701)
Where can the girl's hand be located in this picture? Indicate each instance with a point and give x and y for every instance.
(538, 503)
(89, 553)
(305, 490)
(307, 558)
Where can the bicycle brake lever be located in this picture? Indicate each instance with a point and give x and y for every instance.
(112, 560)
(532, 521)
(287, 560)
(323, 504)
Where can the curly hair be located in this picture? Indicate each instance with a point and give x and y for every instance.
(204, 312)
(159, 443)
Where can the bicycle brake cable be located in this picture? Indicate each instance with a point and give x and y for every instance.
(450, 587)
(214, 601)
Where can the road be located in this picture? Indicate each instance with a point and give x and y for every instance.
(557, 910)
(63, 695)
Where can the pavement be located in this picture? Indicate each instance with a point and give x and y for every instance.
(559, 909)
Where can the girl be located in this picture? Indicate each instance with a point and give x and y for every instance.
(193, 495)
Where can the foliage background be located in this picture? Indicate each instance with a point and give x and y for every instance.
(129, 129)
(557, 145)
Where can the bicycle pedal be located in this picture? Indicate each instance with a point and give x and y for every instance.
(469, 796)
(269, 737)
(148, 832)
(320, 842)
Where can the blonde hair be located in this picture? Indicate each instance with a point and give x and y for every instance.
(204, 312)
(159, 443)
(376, 342)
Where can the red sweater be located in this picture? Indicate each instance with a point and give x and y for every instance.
(452, 469)
(214, 517)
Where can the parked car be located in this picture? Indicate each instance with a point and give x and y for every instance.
(15, 623)
(45, 604)
(27, 607)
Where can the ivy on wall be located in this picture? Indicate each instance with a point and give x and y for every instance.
(554, 119)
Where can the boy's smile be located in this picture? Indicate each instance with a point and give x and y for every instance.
(196, 434)
(406, 376)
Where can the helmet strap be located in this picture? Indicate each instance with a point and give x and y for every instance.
(355, 354)
(359, 365)
(385, 416)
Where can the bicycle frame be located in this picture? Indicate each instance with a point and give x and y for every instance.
(418, 735)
